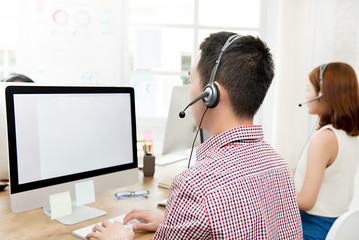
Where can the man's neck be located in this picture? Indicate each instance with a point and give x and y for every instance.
(224, 121)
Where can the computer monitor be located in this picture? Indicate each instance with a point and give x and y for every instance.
(179, 132)
(4, 159)
(204, 135)
(60, 135)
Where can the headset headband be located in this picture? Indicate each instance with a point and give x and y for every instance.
(321, 69)
(229, 41)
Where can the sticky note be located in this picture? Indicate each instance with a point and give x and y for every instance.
(60, 204)
(85, 193)
(148, 135)
(140, 135)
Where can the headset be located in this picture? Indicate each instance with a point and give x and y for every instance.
(210, 95)
(321, 72)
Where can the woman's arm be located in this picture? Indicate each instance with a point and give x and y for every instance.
(322, 151)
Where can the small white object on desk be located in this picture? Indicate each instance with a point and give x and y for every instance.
(162, 203)
(85, 193)
(60, 204)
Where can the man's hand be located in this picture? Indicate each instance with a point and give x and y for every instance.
(111, 231)
(153, 219)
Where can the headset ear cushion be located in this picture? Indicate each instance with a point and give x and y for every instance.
(214, 100)
(216, 95)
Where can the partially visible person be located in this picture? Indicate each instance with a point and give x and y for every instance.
(324, 176)
(14, 77)
(239, 187)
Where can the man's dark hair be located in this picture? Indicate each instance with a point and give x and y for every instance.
(246, 70)
(14, 77)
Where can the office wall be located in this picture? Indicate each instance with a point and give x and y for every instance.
(70, 42)
(302, 35)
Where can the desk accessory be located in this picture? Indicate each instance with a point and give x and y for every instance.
(148, 158)
(148, 165)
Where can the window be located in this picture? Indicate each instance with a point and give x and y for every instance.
(148, 44)
(8, 38)
(164, 36)
(7, 62)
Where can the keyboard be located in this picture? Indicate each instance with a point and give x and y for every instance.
(82, 232)
(170, 158)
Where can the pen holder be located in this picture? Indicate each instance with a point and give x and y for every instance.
(148, 165)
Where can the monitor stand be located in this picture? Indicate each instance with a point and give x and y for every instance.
(79, 214)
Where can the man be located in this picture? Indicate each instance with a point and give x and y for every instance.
(239, 188)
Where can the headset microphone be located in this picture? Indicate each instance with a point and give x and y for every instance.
(312, 100)
(204, 94)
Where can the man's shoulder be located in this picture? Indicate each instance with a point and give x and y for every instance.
(225, 165)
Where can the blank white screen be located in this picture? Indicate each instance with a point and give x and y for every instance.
(63, 134)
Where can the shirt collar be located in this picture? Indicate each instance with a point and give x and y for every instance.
(250, 133)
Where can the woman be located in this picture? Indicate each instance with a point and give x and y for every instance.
(325, 173)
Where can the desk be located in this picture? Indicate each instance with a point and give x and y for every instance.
(35, 224)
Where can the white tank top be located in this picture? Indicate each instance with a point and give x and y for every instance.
(336, 190)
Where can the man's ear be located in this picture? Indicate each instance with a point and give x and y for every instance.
(219, 86)
(222, 90)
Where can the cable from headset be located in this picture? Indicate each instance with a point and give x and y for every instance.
(195, 137)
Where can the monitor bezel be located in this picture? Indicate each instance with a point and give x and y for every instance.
(10, 91)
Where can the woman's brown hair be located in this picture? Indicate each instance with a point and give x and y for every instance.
(340, 97)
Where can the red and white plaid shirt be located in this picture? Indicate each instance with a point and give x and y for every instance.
(239, 188)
